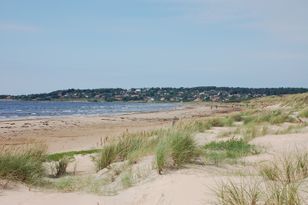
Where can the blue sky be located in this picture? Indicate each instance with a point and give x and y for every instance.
(50, 45)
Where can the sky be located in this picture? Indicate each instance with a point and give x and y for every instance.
(60, 44)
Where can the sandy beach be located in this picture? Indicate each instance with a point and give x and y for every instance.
(87, 132)
(194, 183)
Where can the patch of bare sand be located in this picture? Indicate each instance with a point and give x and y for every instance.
(275, 145)
(187, 186)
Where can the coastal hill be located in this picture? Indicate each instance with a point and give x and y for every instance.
(164, 94)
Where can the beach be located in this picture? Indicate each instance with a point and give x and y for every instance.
(253, 140)
(70, 133)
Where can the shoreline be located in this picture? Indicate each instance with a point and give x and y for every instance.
(71, 133)
(175, 106)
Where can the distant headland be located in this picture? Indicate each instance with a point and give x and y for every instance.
(157, 94)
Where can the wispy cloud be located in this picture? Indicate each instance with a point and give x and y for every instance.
(13, 27)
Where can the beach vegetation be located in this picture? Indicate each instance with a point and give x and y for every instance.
(216, 152)
(175, 150)
(304, 113)
(22, 164)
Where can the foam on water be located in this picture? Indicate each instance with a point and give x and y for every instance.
(29, 109)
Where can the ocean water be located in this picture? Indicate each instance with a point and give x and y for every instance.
(29, 109)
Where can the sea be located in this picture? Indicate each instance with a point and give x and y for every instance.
(10, 109)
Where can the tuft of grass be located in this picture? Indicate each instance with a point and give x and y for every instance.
(230, 149)
(161, 157)
(177, 147)
(304, 113)
(182, 148)
(278, 194)
(131, 147)
(249, 132)
(221, 122)
(127, 179)
(61, 166)
(287, 169)
(232, 193)
(238, 117)
(253, 193)
(22, 164)
(106, 156)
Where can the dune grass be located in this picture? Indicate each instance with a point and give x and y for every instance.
(79, 183)
(128, 147)
(232, 193)
(304, 113)
(177, 149)
(201, 125)
(254, 192)
(22, 164)
(216, 152)
(272, 117)
(70, 154)
(106, 156)
(60, 166)
(287, 169)
(280, 184)
(282, 194)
